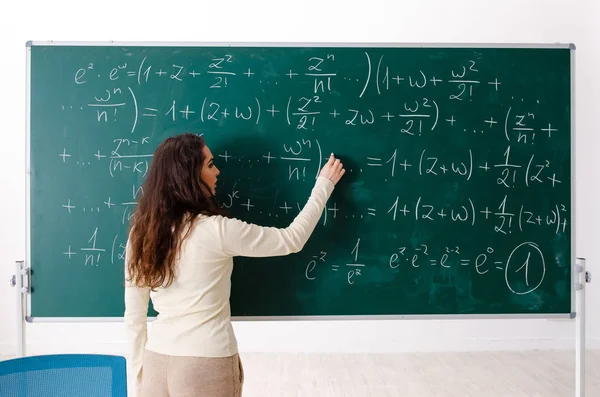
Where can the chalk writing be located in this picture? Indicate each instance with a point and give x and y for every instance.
(437, 156)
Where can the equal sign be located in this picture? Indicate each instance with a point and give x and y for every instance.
(465, 262)
(335, 267)
(150, 114)
(374, 159)
(498, 267)
(371, 211)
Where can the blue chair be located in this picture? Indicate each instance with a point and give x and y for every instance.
(64, 375)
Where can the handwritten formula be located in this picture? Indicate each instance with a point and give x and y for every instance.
(458, 163)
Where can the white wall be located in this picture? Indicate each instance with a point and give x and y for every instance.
(309, 20)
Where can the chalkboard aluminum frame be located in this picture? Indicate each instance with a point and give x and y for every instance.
(574, 273)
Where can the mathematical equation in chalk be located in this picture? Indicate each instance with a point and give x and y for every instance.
(523, 269)
(354, 264)
(227, 71)
(413, 118)
(460, 127)
(93, 254)
(306, 156)
(519, 123)
(427, 163)
(503, 216)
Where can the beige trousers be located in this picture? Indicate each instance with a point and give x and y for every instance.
(174, 376)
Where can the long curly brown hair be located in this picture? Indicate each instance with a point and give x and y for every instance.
(173, 195)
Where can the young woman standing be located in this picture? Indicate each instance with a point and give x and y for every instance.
(180, 254)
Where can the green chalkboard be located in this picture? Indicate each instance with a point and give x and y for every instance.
(457, 199)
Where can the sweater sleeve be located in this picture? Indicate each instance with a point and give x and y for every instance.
(136, 311)
(239, 238)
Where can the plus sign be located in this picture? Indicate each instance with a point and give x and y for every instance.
(334, 114)
(554, 180)
(160, 72)
(68, 206)
(269, 157)
(491, 122)
(388, 116)
(69, 253)
(442, 214)
(248, 73)
(487, 212)
(292, 74)
(485, 167)
(98, 155)
(225, 156)
(335, 209)
(64, 155)
(434, 81)
(108, 203)
(248, 205)
(398, 79)
(405, 165)
(549, 130)
(286, 207)
(404, 210)
(495, 83)
(272, 110)
(193, 73)
(224, 113)
(451, 120)
(186, 112)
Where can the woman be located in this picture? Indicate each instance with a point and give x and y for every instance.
(179, 254)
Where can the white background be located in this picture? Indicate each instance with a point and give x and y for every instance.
(506, 21)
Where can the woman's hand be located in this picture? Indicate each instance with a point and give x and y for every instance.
(333, 169)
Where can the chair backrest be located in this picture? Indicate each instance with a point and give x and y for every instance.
(64, 375)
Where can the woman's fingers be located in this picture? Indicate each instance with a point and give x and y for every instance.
(333, 169)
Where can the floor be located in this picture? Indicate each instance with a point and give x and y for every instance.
(497, 374)
(511, 374)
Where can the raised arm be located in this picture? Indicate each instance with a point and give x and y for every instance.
(239, 238)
